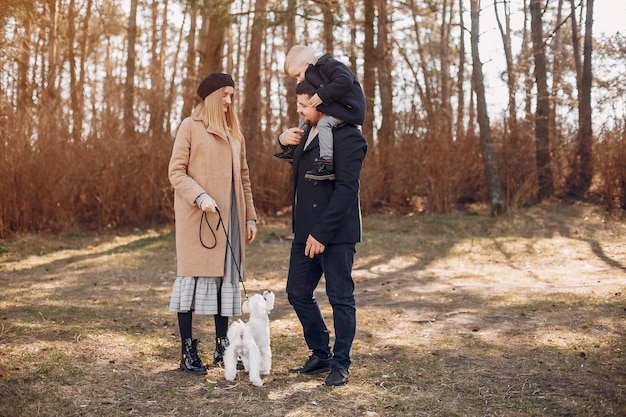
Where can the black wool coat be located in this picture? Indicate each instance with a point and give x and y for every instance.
(329, 210)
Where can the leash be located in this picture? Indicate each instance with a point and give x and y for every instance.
(204, 219)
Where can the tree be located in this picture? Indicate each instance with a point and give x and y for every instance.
(190, 82)
(369, 70)
(129, 87)
(252, 98)
(511, 76)
(582, 167)
(494, 187)
(157, 69)
(215, 24)
(542, 113)
(385, 85)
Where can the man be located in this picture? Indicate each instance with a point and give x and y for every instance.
(327, 226)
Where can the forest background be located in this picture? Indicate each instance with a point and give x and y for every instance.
(92, 91)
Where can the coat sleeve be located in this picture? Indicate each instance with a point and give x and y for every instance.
(340, 84)
(184, 185)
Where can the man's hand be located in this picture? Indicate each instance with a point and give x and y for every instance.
(315, 100)
(291, 136)
(313, 247)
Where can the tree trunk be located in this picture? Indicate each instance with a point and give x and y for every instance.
(351, 9)
(329, 10)
(385, 85)
(494, 186)
(252, 97)
(582, 170)
(542, 131)
(157, 70)
(525, 64)
(290, 82)
(369, 72)
(445, 112)
(505, 33)
(191, 81)
(460, 111)
(212, 35)
(129, 87)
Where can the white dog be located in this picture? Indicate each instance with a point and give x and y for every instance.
(251, 341)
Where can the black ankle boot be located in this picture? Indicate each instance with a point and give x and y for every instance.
(322, 170)
(189, 360)
(286, 155)
(221, 343)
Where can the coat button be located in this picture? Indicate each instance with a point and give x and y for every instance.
(314, 205)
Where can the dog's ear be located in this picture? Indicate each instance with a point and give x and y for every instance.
(269, 300)
(245, 307)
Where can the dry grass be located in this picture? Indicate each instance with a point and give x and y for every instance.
(458, 316)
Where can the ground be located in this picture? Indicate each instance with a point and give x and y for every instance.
(461, 315)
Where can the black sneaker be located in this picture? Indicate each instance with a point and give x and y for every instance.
(322, 170)
(286, 155)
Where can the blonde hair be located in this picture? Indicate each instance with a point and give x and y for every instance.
(297, 58)
(211, 112)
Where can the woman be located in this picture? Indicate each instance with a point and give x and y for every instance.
(212, 193)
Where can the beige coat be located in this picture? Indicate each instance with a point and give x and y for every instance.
(204, 162)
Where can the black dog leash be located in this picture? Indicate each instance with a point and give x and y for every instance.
(204, 219)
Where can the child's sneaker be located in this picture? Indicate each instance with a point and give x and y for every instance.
(286, 155)
(322, 170)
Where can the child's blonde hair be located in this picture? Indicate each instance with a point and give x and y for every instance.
(297, 58)
(211, 112)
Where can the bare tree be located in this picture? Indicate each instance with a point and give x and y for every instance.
(505, 33)
(460, 115)
(157, 68)
(385, 85)
(445, 111)
(494, 187)
(129, 87)
(369, 71)
(191, 80)
(329, 11)
(290, 83)
(542, 130)
(215, 23)
(582, 167)
(252, 98)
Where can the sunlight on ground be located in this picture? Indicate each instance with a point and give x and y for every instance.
(117, 242)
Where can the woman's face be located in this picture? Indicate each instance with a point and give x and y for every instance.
(227, 99)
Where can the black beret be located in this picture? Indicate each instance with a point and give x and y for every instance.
(213, 82)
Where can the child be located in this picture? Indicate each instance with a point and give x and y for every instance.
(339, 96)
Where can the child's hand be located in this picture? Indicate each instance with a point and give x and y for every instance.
(315, 100)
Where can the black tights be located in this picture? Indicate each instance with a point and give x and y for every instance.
(185, 320)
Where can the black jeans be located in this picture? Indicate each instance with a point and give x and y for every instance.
(304, 275)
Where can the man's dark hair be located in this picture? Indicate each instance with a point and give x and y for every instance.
(305, 87)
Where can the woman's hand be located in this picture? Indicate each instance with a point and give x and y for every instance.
(208, 204)
(251, 229)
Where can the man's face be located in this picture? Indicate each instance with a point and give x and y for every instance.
(306, 111)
